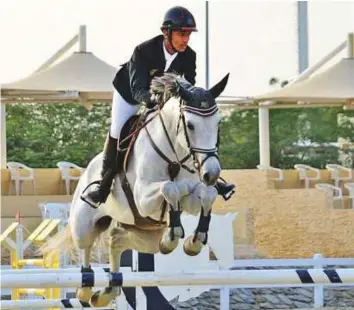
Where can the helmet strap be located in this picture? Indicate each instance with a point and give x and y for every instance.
(169, 35)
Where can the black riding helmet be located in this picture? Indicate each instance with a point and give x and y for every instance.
(178, 18)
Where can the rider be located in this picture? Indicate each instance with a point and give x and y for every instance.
(164, 53)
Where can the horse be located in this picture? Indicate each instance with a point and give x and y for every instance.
(172, 168)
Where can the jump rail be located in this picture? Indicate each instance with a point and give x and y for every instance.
(225, 277)
(47, 303)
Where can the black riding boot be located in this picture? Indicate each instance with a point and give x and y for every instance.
(109, 171)
(226, 190)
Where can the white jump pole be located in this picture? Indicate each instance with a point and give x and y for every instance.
(224, 277)
(47, 303)
(45, 270)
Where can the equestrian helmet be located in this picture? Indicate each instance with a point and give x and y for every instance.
(178, 18)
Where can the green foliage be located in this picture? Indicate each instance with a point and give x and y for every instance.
(306, 136)
(40, 135)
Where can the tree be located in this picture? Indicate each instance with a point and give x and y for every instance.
(40, 135)
(308, 136)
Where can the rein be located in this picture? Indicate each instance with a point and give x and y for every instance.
(174, 166)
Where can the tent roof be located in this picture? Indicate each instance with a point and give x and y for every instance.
(335, 85)
(81, 77)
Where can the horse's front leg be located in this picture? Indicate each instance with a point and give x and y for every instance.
(204, 196)
(151, 194)
(171, 191)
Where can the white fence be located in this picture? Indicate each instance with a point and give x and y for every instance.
(246, 278)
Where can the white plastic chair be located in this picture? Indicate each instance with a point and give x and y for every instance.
(335, 172)
(303, 174)
(19, 178)
(350, 187)
(66, 176)
(279, 172)
(335, 192)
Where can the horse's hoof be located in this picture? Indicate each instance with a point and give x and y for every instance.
(192, 248)
(103, 298)
(84, 293)
(168, 249)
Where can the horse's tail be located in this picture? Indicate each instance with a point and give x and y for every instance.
(62, 242)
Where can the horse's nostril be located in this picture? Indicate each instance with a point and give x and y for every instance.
(206, 178)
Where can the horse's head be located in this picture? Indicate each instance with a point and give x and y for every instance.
(198, 120)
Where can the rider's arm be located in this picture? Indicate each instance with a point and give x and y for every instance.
(190, 71)
(139, 78)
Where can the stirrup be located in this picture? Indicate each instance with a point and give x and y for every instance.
(82, 197)
(228, 195)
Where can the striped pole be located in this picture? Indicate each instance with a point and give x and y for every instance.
(46, 303)
(223, 277)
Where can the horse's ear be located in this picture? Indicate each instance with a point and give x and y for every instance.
(183, 92)
(217, 89)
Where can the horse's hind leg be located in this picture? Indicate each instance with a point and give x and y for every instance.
(117, 244)
(85, 230)
(85, 293)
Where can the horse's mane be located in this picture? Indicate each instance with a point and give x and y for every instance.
(166, 86)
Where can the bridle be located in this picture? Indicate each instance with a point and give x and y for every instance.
(174, 166)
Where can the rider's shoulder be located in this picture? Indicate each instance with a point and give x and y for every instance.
(150, 43)
(190, 51)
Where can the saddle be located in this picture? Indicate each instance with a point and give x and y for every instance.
(128, 135)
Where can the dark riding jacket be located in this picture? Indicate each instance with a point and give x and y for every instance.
(133, 79)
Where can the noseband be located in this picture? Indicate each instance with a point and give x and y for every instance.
(194, 150)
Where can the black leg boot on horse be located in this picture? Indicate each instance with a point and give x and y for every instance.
(112, 162)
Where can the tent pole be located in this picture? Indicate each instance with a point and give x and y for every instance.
(82, 39)
(350, 45)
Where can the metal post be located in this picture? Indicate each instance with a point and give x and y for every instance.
(264, 143)
(225, 298)
(207, 44)
(318, 291)
(302, 22)
(350, 45)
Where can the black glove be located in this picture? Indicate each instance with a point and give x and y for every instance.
(150, 104)
(148, 100)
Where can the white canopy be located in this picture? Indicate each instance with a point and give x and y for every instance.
(82, 77)
(334, 85)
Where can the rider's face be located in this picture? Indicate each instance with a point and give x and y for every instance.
(180, 40)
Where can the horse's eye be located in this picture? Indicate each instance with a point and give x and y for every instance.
(190, 126)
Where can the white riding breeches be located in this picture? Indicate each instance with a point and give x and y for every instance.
(121, 112)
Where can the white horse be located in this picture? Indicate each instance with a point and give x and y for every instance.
(173, 167)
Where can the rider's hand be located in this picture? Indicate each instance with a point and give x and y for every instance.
(150, 104)
(152, 100)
